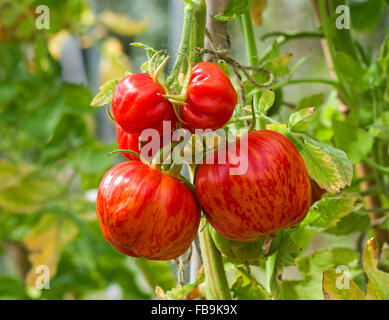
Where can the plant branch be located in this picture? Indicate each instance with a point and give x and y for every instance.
(215, 276)
(252, 56)
(184, 46)
(292, 36)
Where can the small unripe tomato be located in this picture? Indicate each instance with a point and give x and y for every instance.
(137, 104)
(144, 212)
(211, 97)
(273, 194)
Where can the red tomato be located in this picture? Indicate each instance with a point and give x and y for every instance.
(131, 141)
(127, 141)
(144, 212)
(273, 194)
(211, 97)
(137, 104)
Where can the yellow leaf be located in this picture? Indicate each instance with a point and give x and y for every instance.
(257, 8)
(11, 173)
(114, 62)
(121, 24)
(378, 285)
(338, 286)
(45, 243)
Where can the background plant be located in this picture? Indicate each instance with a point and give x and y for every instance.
(50, 155)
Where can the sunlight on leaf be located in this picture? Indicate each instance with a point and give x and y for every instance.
(45, 243)
(333, 287)
(378, 285)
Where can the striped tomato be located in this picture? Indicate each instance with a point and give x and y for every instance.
(127, 141)
(211, 97)
(131, 141)
(137, 104)
(146, 213)
(273, 194)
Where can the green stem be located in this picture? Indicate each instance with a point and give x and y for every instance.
(291, 36)
(252, 56)
(377, 166)
(244, 118)
(184, 46)
(348, 97)
(198, 31)
(298, 81)
(215, 275)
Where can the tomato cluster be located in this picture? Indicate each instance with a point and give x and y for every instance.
(146, 212)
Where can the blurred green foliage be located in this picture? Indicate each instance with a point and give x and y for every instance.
(49, 159)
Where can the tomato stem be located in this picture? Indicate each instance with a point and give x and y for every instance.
(252, 56)
(198, 31)
(139, 156)
(184, 46)
(215, 276)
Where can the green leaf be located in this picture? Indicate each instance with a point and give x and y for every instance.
(327, 212)
(385, 224)
(328, 166)
(266, 101)
(106, 93)
(11, 173)
(45, 243)
(354, 141)
(35, 191)
(380, 127)
(235, 8)
(12, 289)
(271, 53)
(287, 251)
(188, 291)
(150, 51)
(311, 268)
(378, 285)
(179, 293)
(366, 14)
(384, 259)
(314, 100)
(279, 66)
(246, 287)
(335, 288)
(384, 62)
(351, 71)
(356, 221)
(7, 93)
(278, 127)
(298, 121)
(239, 252)
(157, 273)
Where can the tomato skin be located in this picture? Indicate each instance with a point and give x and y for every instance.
(273, 194)
(127, 141)
(130, 141)
(211, 97)
(144, 212)
(137, 104)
